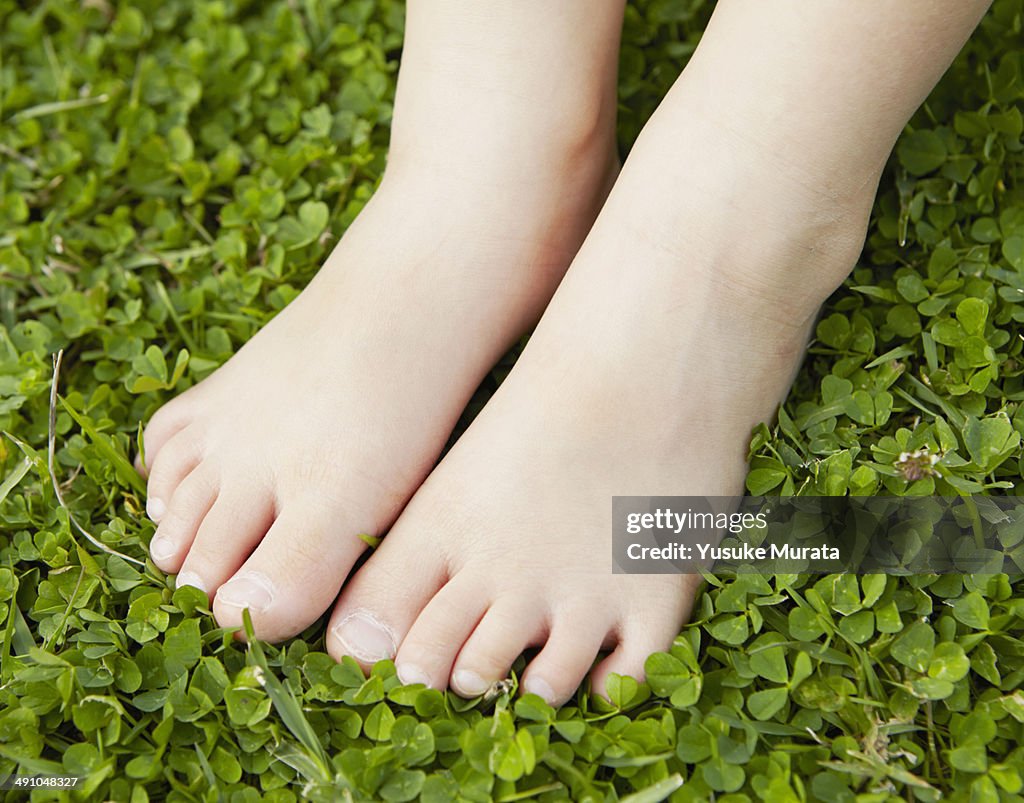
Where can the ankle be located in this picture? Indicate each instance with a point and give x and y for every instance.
(785, 270)
(545, 204)
(743, 230)
(571, 149)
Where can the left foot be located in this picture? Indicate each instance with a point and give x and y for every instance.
(677, 329)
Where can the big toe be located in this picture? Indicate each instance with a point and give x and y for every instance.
(294, 573)
(382, 601)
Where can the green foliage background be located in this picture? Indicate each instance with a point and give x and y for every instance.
(171, 174)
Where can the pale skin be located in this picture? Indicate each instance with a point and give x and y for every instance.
(684, 301)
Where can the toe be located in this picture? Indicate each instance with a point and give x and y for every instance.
(509, 627)
(633, 649)
(381, 602)
(166, 422)
(175, 461)
(191, 501)
(646, 629)
(560, 667)
(428, 650)
(227, 536)
(294, 574)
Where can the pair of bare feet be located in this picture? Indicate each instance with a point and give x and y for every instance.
(685, 296)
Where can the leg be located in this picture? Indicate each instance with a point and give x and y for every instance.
(676, 330)
(323, 426)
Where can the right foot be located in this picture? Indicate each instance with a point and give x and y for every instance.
(262, 477)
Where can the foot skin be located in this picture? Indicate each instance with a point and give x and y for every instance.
(263, 476)
(320, 429)
(668, 341)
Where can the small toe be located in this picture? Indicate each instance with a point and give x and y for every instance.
(628, 658)
(646, 628)
(191, 501)
(166, 422)
(227, 536)
(179, 457)
(428, 650)
(561, 666)
(506, 630)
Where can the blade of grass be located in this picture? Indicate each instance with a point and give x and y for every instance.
(955, 417)
(59, 106)
(35, 766)
(635, 761)
(51, 443)
(299, 760)
(58, 634)
(124, 470)
(526, 794)
(165, 299)
(656, 792)
(287, 707)
(5, 651)
(14, 478)
(897, 353)
(204, 764)
(931, 354)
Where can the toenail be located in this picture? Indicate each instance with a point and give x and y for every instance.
(410, 674)
(469, 684)
(541, 688)
(188, 578)
(161, 547)
(365, 637)
(250, 590)
(155, 508)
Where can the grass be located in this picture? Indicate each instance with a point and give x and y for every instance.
(171, 174)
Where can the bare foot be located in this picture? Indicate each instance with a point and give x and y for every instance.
(678, 328)
(263, 476)
(676, 331)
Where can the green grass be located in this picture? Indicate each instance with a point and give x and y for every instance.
(171, 174)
